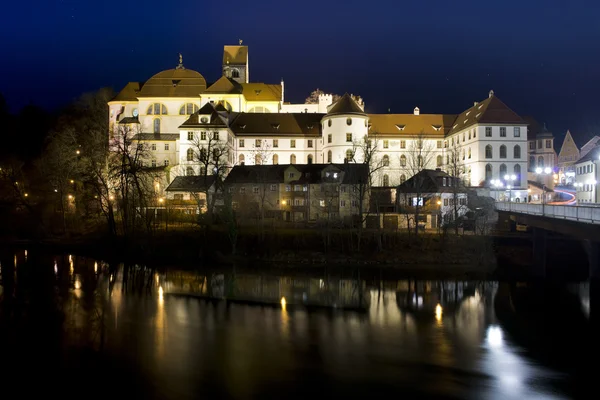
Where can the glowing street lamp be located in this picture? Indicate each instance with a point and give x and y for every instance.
(511, 179)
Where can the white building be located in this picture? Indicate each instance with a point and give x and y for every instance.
(586, 177)
(177, 108)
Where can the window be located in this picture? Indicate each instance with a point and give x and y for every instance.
(257, 159)
(517, 131)
(235, 73)
(488, 131)
(275, 143)
(386, 180)
(288, 188)
(188, 109)
(517, 172)
(342, 203)
(329, 138)
(157, 125)
(532, 163)
(216, 136)
(257, 143)
(242, 143)
(190, 135)
(463, 154)
(310, 143)
(517, 151)
(446, 202)
(329, 123)
(322, 203)
(242, 190)
(305, 187)
(275, 159)
(309, 159)
(439, 144)
(463, 137)
(157, 109)
(386, 144)
(348, 137)
(402, 178)
(190, 154)
(348, 121)
(293, 159)
(241, 159)
(349, 155)
(531, 145)
(541, 162)
(386, 161)
(403, 144)
(444, 181)
(329, 156)
(178, 196)
(154, 146)
(488, 151)
(166, 163)
(488, 172)
(474, 133)
(202, 135)
(354, 203)
(297, 188)
(469, 153)
(273, 188)
(548, 143)
(469, 135)
(293, 143)
(502, 170)
(153, 163)
(255, 189)
(502, 131)
(420, 161)
(503, 151)
(403, 160)
(189, 171)
(539, 144)
(440, 161)
(167, 146)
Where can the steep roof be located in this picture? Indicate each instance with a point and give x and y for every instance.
(591, 144)
(309, 173)
(261, 91)
(196, 183)
(489, 111)
(346, 105)
(280, 124)
(129, 120)
(536, 130)
(169, 137)
(224, 85)
(177, 82)
(236, 55)
(129, 93)
(592, 154)
(410, 124)
(215, 118)
(430, 181)
(568, 151)
(256, 174)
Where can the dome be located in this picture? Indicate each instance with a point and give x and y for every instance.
(176, 82)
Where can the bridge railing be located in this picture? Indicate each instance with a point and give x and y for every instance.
(574, 213)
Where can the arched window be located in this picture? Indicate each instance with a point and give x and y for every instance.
(488, 172)
(402, 178)
(293, 159)
(488, 151)
(503, 151)
(156, 125)
(329, 123)
(275, 159)
(329, 158)
(469, 153)
(258, 159)
(386, 180)
(541, 162)
(403, 160)
(532, 163)
(190, 154)
(348, 121)
(517, 172)
(157, 109)
(386, 161)
(189, 171)
(463, 154)
(517, 151)
(235, 73)
(349, 155)
(241, 159)
(188, 109)
(202, 154)
(440, 161)
(259, 109)
(447, 160)
(309, 159)
(502, 170)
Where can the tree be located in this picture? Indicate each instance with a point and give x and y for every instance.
(313, 98)
(419, 156)
(455, 167)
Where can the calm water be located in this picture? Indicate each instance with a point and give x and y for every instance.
(81, 328)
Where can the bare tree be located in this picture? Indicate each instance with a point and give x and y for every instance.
(313, 98)
(455, 167)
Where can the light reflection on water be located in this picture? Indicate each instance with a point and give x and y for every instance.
(427, 337)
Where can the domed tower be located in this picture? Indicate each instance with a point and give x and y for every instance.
(344, 128)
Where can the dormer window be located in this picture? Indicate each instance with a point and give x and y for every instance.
(454, 127)
(477, 116)
(467, 114)
(400, 127)
(479, 108)
(242, 126)
(465, 121)
(310, 126)
(275, 126)
(257, 92)
(335, 174)
(436, 127)
(204, 120)
(176, 82)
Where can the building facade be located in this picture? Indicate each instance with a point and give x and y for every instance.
(568, 156)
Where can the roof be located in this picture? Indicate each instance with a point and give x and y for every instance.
(237, 55)
(280, 124)
(536, 130)
(591, 155)
(129, 120)
(568, 151)
(591, 144)
(195, 183)
(129, 92)
(256, 174)
(177, 82)
(261, 91)
(352, 173)
(224, 85)
(346, 105)
(430, 181)
(410, 124)
(215, 119)
(489, 111)
(157, 136)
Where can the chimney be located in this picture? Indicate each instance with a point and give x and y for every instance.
(475, 103)
(417, 111)
(491, 93)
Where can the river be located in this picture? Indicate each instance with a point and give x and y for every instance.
(77, 327)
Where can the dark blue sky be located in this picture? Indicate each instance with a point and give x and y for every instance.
(541, 58)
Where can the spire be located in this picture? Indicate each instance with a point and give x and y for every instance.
(180, 66)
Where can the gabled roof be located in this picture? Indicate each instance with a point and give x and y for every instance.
(261, 91)
(346, 105)
(256, 174)
(410, 124)
(568, 151)
(235, 55)
(279, 124)
(168, 137)
(489, 111)
(129, 120)
(590, 155)
(215, 119)
(309, 173)
(129, 92)
(430, 181)
(591, 144)
(224, 85)
(195, 184)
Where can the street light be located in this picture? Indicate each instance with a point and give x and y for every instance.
(497, 183)
(511, 179)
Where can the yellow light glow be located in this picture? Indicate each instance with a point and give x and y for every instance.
(25, 253)
(72, 181)
(77, 152)
(77, 284)
(26, 194)
(283, 202)
(95, 267)
(70, 197)
(111, 197)
(161, 200)
(438, 313)
(55, 268)
(439, 203)
(283, 303)
(528, 190)
(160, 293)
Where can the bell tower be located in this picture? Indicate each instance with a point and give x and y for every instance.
(235, 63)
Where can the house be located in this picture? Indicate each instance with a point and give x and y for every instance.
(587, 176)
(438, 196)
(189, 193)
(569, 154)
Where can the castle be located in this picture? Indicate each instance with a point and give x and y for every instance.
(176, 109)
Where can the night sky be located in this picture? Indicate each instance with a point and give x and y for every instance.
(439, 55)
